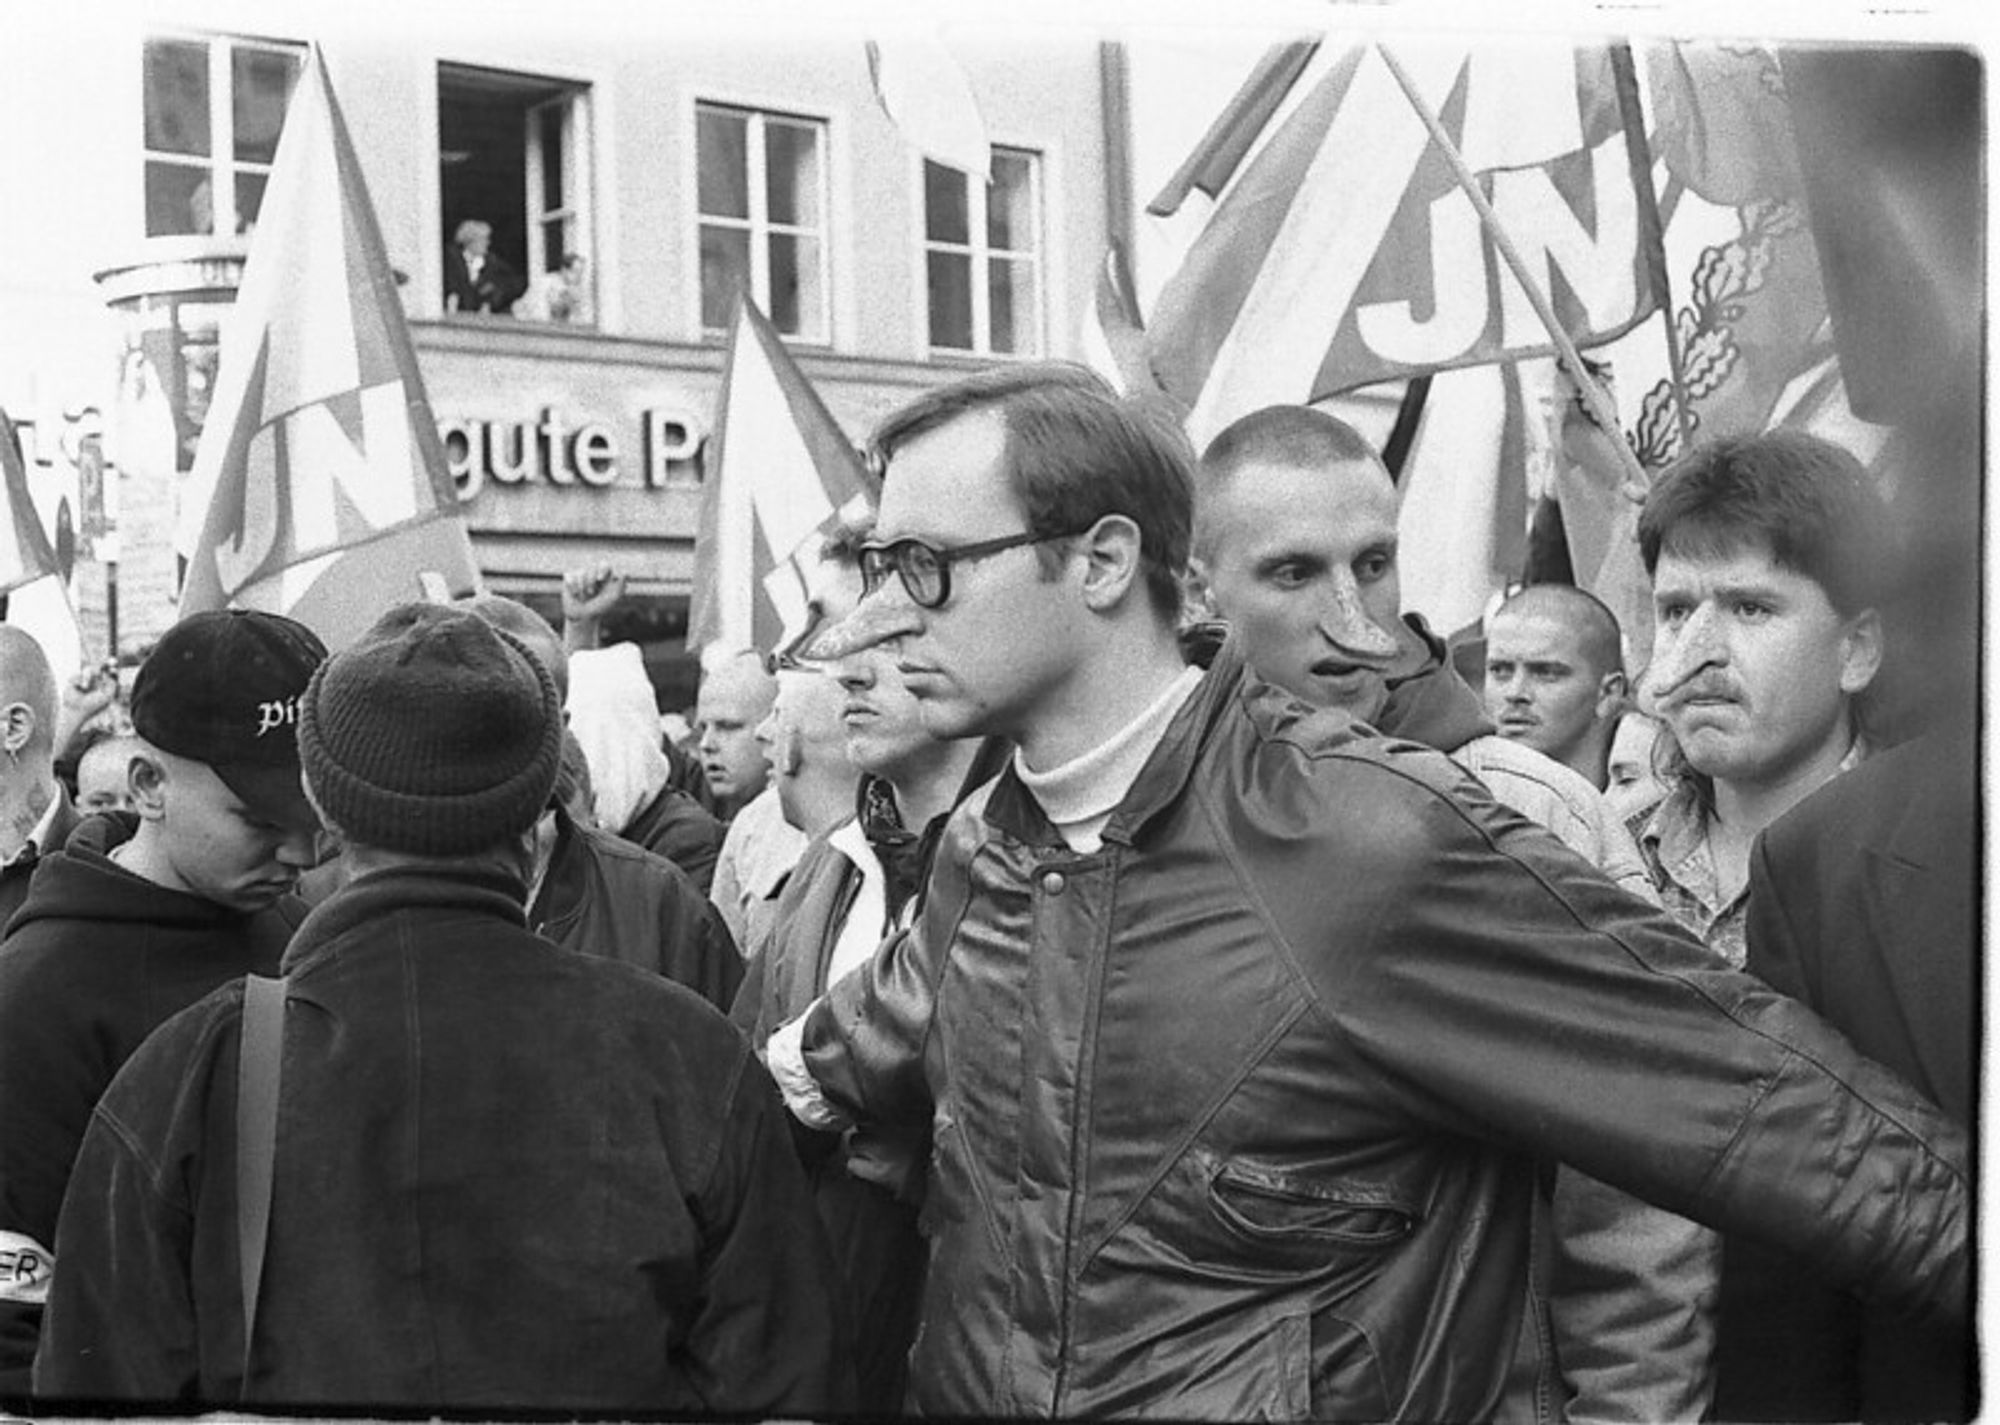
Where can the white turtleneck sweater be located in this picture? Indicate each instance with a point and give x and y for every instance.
(1078, 797)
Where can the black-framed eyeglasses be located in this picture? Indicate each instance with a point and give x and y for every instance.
(925, 569)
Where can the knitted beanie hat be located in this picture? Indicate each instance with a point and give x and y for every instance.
(435, 734)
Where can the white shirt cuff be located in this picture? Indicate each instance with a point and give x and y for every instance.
(785, 1057)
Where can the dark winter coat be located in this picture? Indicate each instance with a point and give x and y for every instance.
(604, 896)
(508, 1177)
(93, 962)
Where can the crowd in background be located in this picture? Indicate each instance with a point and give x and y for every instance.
(1111, 962)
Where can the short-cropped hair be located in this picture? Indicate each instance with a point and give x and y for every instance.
(1075, 452)
(1286, 436)
(1807, 500)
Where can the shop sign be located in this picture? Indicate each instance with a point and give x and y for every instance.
(546, 450)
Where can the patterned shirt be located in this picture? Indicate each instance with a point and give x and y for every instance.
(1673, 842)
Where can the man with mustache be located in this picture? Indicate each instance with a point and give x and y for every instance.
(1767, 555)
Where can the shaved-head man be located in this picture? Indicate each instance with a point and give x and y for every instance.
(1555, 676)
(1295, 549)
(35, 816)
(736, 695)
(1295, 546)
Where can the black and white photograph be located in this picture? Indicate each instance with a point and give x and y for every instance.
(1093, 711)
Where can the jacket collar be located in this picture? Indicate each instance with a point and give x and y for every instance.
(1160, 782)
(567, 879)
(365, 900)
(1431, 704)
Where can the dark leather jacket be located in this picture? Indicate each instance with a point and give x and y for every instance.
(1238, 1115)
(604, 896)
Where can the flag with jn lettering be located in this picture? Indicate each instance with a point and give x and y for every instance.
(781, 477)
(319, 488)
(1345, 252)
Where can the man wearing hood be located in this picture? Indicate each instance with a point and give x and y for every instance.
(142, 915)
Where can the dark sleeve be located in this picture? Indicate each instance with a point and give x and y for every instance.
(1503, 990)
(121, 1324)
(749, 1002)
(866, 1039)
(508, 284)
(1776, 954)
(698, 946)
(691, 839)
(53, 1064)
(767, 1338)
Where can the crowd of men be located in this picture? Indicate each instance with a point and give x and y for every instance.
(1112, 963)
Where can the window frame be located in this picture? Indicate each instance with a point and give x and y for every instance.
(220, 165)
(581, 93)
(576, 209)
(757, 222)
(982, 256)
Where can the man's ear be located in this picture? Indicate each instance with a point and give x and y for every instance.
(17, 728)
(1110, 549)
(1860, 652)
(147, 778)
(1612, 689)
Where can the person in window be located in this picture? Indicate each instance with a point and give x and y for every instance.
(477, 279)
(560, 296)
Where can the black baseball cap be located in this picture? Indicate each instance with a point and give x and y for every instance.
(222, 688)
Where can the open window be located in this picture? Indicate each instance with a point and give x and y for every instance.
(214, 107)
(514, 154)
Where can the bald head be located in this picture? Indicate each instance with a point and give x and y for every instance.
(1288, 437)
(1555, 676)
(736, 695)
(26, 684)
(514, 617)
(805, 743)
(1581, 613)
(1295, 547)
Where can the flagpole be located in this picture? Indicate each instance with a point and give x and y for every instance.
(1594, 397)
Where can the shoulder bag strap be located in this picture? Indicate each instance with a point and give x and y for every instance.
(256, 1136)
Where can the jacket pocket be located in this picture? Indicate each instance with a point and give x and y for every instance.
(1290, 1210)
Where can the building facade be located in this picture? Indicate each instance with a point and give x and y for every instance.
(632, 172)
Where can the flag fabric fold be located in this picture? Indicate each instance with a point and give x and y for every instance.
(1113, 342)
(33, 590)
(1344, 253)
(320, 488)
(781, 476)
(1222, 150)
(926, 94)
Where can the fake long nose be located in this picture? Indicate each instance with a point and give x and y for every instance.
(881, 616)
(1680, 653)
(1346, 622)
